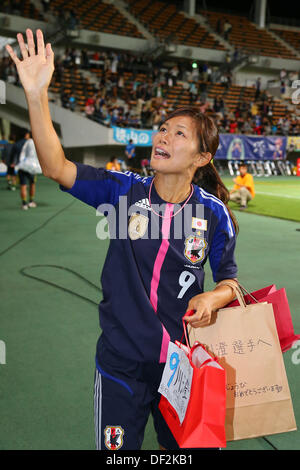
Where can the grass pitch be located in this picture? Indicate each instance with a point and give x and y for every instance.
(276, 196)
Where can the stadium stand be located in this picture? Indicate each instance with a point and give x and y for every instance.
(131, 97)
(292, 37)
(130, 90)
(244, 34)
(23, 8)
(98, 16)
(166, 22)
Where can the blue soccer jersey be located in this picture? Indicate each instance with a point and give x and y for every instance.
(154, 265)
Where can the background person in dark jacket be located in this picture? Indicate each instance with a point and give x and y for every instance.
(7, 159)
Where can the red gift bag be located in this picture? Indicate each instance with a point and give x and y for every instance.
(282, 313)
(204, 422)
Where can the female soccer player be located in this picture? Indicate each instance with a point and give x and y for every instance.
(165, 229)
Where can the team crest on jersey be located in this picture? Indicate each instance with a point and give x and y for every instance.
(194, 249)
(138, 224)
(113, 437)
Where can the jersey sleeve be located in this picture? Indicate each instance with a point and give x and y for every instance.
(221, 253)
(96, 186)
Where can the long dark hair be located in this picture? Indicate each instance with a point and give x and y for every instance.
(207, 177)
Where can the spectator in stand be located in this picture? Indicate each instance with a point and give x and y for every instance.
(104, 116)
(204, 71)
(85, 60)
(225, 123)
(218, 105)
(257, 129)
(282, 89)
(227, 27)
(72, 21)
(219, 25)
(270, 112)
(267, 128)
(283, 74)
(89, 110)
(224, 80)
(221, 128)
(237, 112)
(209, 72)
(233, 126)
(253, 109)
(214, 74)
(247, 127)
(294, 126)
(193, 91)
(235, 55)
(203, 91)
(146, 116)
(156, 119)
(244, 109)
(227, 60)
(264, 108)
(240, 125)
(285, 125)
(257, 88)
(229, 79)
(257, 120)
(174, 74)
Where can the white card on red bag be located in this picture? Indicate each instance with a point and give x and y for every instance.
(176, 380)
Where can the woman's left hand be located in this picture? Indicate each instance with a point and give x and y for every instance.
(202, 305)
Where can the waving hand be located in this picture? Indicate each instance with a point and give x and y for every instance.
(36, 68)
(35, 72)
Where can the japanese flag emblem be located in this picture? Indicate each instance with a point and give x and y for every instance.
(199, 224)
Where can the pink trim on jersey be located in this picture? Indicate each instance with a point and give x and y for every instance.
(156, 274)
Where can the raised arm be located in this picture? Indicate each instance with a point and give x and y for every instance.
(35, 72)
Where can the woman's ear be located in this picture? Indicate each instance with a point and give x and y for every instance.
(203, 159)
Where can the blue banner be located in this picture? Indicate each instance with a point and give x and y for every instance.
(140, 137)
(231, 147)
(245, 147)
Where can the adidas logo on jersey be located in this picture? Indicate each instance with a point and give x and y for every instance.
(144, 203)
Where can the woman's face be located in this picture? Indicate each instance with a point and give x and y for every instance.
(176, 147)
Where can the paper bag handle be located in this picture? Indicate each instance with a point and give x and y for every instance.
(196, 344)
(249, 293)
(185, 334)
(237, 289)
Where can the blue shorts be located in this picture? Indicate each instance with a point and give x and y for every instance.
(125, 393)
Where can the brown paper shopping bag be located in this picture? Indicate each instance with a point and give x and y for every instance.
(245, 339)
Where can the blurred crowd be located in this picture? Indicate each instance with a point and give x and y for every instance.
(254, 117)
(124, 97)
(133, 91)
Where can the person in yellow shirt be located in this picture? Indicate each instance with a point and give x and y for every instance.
(243, 190)
(113, 164)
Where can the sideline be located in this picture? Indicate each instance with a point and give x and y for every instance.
(277, 195)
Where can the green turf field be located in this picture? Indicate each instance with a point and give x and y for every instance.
(50, 332)
(276, 196)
